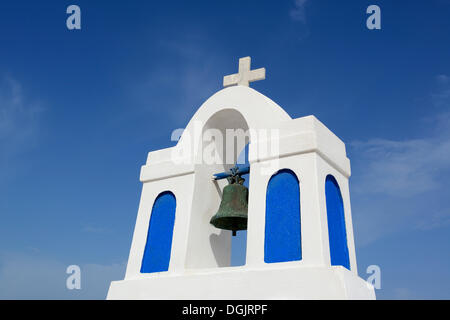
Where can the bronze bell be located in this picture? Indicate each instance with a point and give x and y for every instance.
(232, 213)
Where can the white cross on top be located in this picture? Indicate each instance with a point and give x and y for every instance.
(245, 75)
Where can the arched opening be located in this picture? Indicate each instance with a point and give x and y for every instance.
(224, 136)
(283, 227)
(158, 247)
(337, 233)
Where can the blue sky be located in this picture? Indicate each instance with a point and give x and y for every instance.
(79, 110)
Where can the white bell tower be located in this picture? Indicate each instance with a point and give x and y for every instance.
(300, 235)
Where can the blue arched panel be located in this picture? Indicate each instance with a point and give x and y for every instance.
(160, 231)
(283, 231)
(336, 224)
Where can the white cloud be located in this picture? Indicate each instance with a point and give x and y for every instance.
(402, 185)
(298, 12)
(32, 276)
(434, 220)
(402, 168)
(19, 122)
(402, 293)
(399, 185)
(441, 97)
(95, 229)
(443, 78)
